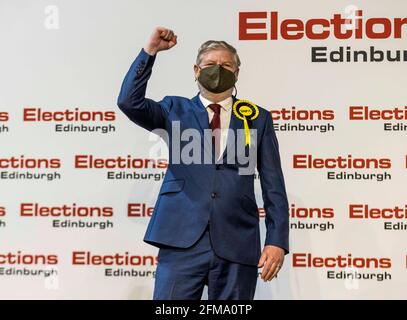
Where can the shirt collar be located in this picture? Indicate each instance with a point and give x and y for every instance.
(225, 104)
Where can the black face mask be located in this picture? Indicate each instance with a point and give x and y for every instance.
(216, 78)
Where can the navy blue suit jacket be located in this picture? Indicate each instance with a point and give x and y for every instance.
(192, 195)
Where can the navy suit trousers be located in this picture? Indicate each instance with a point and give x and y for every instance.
(182, 274)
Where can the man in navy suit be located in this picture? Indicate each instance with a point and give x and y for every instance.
(205, 220)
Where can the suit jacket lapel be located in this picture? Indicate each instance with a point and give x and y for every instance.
(200, 113)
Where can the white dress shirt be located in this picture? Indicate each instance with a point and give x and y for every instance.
(225, 114)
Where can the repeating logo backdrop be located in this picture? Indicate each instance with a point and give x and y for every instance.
(78, 181)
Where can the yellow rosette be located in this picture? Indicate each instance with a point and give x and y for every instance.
(244, 109)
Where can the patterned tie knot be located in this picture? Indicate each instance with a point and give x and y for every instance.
(215, 108)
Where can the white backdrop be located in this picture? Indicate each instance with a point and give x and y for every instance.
(72, 55)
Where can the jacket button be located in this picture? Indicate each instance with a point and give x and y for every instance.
(214, 195)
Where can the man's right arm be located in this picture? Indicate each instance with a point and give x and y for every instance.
(145, 112)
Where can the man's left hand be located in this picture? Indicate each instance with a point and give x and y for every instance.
(271, 260)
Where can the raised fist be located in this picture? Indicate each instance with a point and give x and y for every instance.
(161, 39)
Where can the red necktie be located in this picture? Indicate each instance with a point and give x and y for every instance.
(215, 124)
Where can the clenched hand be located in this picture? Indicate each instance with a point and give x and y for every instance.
(161, 39)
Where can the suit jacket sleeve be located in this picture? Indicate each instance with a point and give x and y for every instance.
(273, 189)
(145, 112)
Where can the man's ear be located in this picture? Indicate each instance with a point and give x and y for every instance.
(237, 73)
(196, 71)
